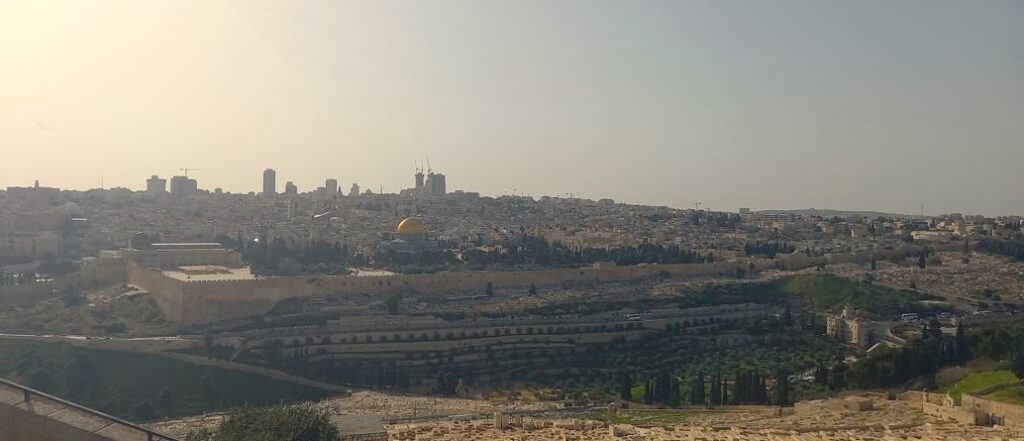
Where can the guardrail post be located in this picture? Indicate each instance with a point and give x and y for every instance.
(27, 395)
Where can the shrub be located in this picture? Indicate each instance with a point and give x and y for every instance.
(279, 423)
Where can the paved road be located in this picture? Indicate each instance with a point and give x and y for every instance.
(87, 337)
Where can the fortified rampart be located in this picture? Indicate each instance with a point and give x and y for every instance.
(92, 275)
(208, 301)
(196, 302)
(798, 261)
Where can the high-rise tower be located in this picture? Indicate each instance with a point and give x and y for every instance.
(156, 185)
(269, 182)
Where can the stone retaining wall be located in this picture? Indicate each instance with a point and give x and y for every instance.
(1003, 414)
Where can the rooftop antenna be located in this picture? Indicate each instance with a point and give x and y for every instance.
(922, 210)
(429, 170)
(186, 170)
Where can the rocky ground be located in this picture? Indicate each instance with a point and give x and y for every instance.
(949, 276)
(455, 419)
(388, 407)
(565, 431)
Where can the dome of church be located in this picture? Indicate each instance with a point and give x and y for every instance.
(411, 225)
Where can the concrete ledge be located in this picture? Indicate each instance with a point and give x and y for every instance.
(43, 417)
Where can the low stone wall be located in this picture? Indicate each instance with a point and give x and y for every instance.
(954, 413)
(1003, 414)
(925, 397)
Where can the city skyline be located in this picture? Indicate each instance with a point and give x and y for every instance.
(796, 104)
(157, 184)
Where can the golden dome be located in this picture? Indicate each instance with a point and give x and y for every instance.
(411, 225)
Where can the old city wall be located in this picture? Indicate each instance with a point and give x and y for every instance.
(798, 261)
(92, 275)
(1004, 414)
(166, 291)
(198, 302)
(194, 302)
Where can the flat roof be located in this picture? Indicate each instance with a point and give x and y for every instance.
(188, 244)
(242, 273)
(349, 425)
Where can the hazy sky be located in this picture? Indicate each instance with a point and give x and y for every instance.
(765, 104)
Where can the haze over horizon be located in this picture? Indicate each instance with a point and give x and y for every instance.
(783, 105)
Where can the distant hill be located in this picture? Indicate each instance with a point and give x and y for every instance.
(807, 212)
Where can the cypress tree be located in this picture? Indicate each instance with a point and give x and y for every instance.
(673, 395)
(737, 389)
(625, 386)
(725, 391)
(716, 390)
(963, 350)
(782, 387)
(701, 394)
(664, 387)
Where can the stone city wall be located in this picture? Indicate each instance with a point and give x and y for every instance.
(92, 275)
(166, 291)
(194, 301)
(208, 301)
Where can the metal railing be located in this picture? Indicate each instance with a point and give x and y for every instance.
(30, 394)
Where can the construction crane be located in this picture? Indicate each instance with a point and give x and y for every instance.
(186, 170)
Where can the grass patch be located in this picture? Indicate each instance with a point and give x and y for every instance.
(978, 381)
(826, 292)
(1012, 395)
(139, 386)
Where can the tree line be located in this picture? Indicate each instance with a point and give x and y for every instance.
(746, 387)
(923, 356)
(276, 258)
(767, 249)
(536, 250)
(1010, 248)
